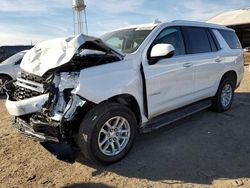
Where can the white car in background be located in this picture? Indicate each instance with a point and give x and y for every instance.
(9, 69)
(247, 49)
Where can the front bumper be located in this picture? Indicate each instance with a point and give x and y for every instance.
(27, 129)
(26, 106)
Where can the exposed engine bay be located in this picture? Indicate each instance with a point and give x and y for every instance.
(45, 105)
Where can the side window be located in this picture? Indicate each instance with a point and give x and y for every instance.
(231, 39)
(211, 38)
(197, 40)
(171, 35)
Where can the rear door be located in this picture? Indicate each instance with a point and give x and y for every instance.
(207, 59)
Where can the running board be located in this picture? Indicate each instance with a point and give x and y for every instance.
(175, 115)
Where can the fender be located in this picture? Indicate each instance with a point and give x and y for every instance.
(120, 78)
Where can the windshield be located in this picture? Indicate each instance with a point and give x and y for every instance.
(127, 40)
(14, 59)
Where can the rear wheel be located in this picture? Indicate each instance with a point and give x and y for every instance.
(3, 80)
(224, 96)
(107, 133)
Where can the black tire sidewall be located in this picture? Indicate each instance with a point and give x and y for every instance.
(218, 101)
(99, 117)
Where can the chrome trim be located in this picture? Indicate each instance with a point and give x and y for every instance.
(31, 85)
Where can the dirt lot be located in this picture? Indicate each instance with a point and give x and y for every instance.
(247, 57)
(205, 150)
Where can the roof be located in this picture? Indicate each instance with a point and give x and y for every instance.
(146, 26)
(235, 17)
(175, 22)
(198, 24)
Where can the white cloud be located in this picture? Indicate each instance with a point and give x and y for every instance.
(20, 39)
(103, 15)
(115, 6)
(34, 6)
(11, 34)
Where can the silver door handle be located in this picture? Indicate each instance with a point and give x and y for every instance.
(218, 59)
(187, 65)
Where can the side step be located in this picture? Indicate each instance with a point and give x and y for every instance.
(170, 117)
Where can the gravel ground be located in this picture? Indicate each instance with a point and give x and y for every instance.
(205, 150)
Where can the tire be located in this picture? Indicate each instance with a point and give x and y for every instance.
(3, 80)
(92, 133)
(220, 105)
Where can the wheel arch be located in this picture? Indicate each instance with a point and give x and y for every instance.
(231, 74)
(6, 75)
(130, 101)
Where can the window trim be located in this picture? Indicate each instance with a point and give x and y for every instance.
(210, 39)
(217, 44)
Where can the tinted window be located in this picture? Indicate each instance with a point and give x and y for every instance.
(231, 39)
(212, 41)
(197, 40)
(14, 59)
(172, 36)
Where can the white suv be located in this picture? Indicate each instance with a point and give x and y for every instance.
(102, 92)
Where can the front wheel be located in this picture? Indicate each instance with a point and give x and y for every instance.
(107, 133)
(224, 96)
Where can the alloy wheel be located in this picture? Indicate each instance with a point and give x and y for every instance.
(114, 136)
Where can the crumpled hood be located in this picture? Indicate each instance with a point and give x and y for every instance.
(56, 52)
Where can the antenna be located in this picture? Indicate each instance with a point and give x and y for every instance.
(79, 10)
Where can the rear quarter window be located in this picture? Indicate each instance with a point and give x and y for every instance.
(231, 38)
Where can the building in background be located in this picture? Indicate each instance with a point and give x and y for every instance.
(239, 20)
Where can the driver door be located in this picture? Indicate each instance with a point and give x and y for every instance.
(170, 81)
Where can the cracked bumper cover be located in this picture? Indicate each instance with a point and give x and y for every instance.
(27, 106)
(26, 129)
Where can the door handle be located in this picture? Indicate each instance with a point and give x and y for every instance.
(218, 59)
(187, 65)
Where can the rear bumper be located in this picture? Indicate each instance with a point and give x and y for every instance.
(27, 129)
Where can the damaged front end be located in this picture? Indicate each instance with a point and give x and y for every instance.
(44, 99)
(43, 108)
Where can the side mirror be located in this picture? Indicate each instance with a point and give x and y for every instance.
(161, 51)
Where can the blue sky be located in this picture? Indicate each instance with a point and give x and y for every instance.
(24, 20)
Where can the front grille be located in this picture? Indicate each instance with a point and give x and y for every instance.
(33, 78)
(28, 86)
(22, 93)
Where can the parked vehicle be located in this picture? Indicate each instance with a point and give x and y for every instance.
(9, 69)
(247, 49)
(102, 92)
(8, 51)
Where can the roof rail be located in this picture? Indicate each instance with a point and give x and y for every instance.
(197, 23)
